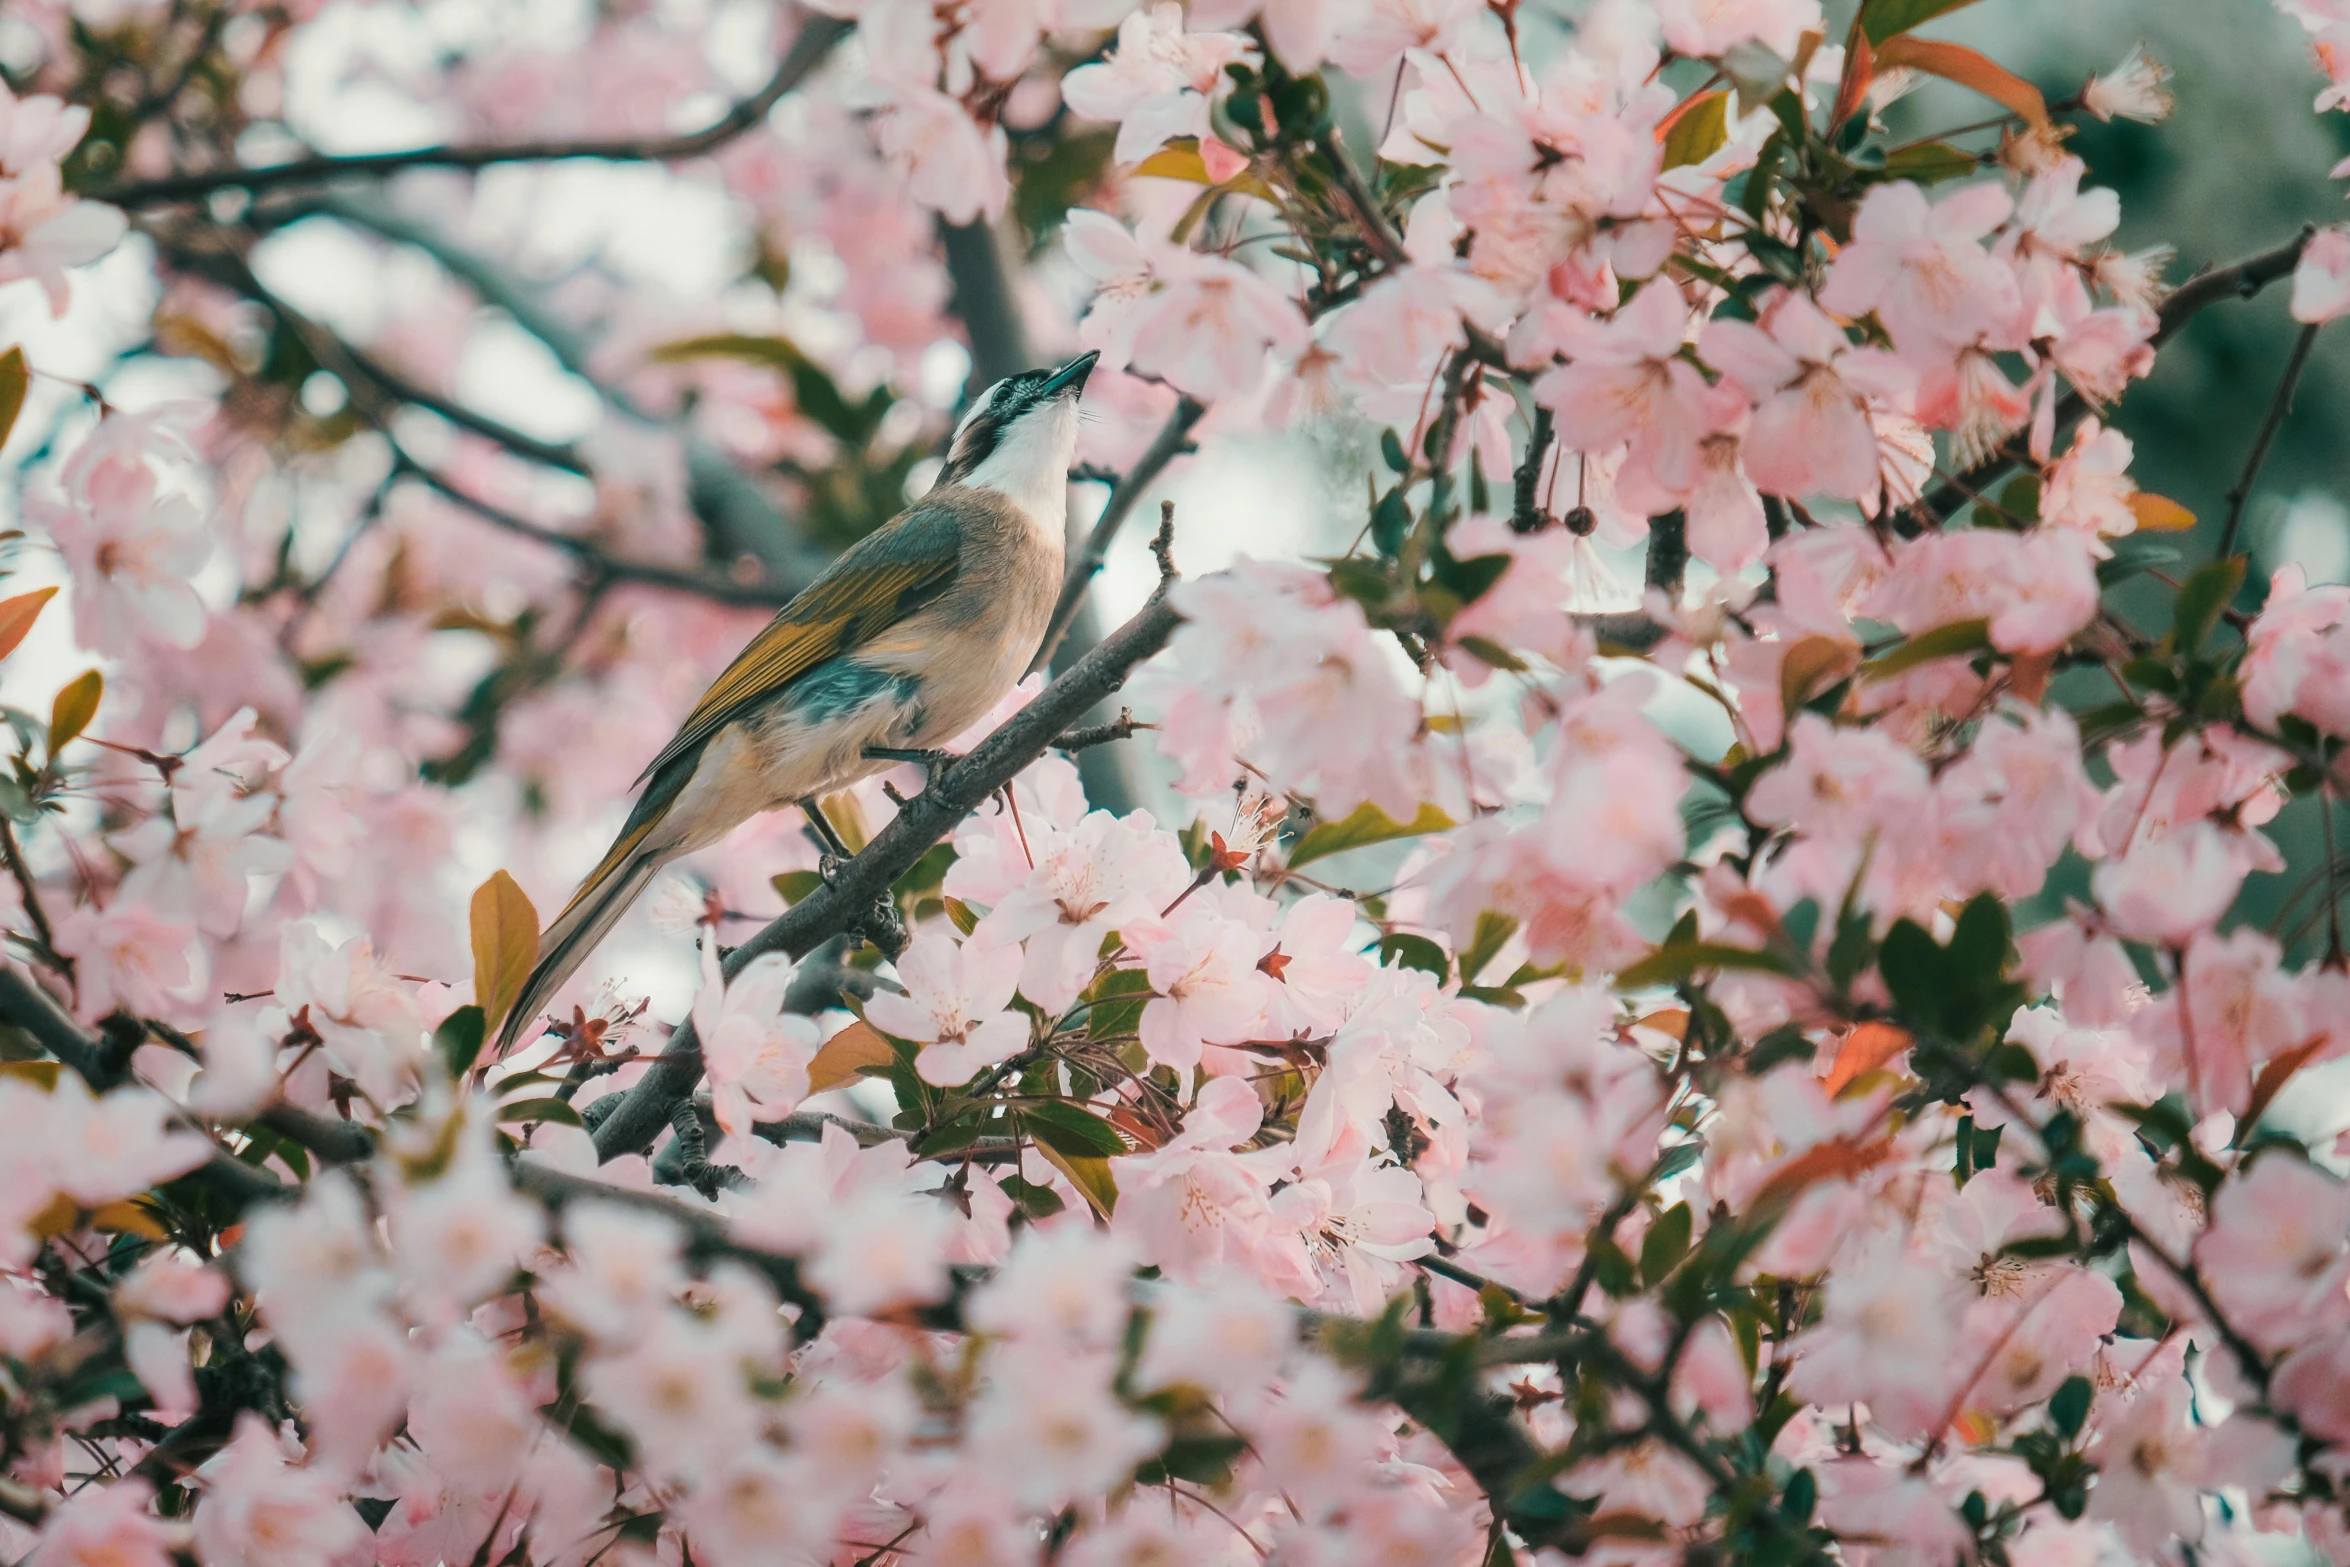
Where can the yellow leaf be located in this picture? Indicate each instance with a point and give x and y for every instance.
(1812, 666)
(847, 818)
(1176, 161)
(1091, 1177)
(41, 1074)
(129, 1218)
(17, 616)
(2155, 514)
(15, 378)
(1696, 130)
(60, 1217)
(71, 713)
(1969, 68)
(854, 1047)
(505, 945)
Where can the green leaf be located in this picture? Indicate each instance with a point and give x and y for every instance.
(1365, 825)
(1405, 950)
(792, 886)
(1391, 452)
(1391, 522)
(1032, 1198)
(1960, 636)
(1118, 998)
(1492, 930)
(1883, 19)
(1931, 162)
(459, 1039)
(539, 1110)
(1065, 1128)
(16, 378)
(2203, 598)
(1665, 1244)
(1675, 962)
(73, 709)
(1699, 129)
(2068, 1406)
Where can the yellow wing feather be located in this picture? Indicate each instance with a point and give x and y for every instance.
(873, 584)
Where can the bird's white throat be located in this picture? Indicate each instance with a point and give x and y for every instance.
(1030, 466)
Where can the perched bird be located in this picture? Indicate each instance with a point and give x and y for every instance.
(902, 643)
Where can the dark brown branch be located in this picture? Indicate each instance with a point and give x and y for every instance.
(1668, 554)
(844, 903)
(1173, 439)
(816, 39)
(2241, 280)
(30, 1008)
(2279, 406)
(1120, 728)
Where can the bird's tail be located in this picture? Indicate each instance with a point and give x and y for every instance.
(583, 924)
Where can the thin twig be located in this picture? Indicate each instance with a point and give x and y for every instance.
(2278, 406)
(31, 894)
(1173, 439)
(815, 41)
(1120, 728)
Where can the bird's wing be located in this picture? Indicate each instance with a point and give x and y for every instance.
(876, 582)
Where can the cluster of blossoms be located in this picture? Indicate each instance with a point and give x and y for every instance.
(1466, 1119)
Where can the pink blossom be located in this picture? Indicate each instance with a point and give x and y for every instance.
(1224, 1337)
(1883, 1340)
(2298, 658)
(1373, 37)
(1202, 963)
(1626, 383)
(129, 958)
(1049, 1430)
(1208, 326)
(2035, 589)
(952, 165)
(43, 231)
(1155, 82)
(756, 1054)
(1811, 432)
(2321, 278)
(131, 549)
(1715, 27)
(2149, 1468)
(2089, 487)
(1084, 883)
(38, 129)
(2168, 886)
(954, 1007)
(104, 1525)
(1394, 335)
(368, 1023)
(260, 1507)
(1921, 267)
(1066, 1286)
(2277, 1255)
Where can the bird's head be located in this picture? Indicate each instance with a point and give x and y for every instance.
(1020, 437)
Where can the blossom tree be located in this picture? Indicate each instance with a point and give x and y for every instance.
(1473, 1115)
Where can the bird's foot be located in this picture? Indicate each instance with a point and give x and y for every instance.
(933, 762)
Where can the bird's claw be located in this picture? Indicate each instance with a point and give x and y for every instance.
(933, 762)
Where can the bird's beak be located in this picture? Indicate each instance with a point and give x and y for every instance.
(1071, 376)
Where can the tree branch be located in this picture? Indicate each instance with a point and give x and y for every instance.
(817, 36)
(2278, 407)
(1171, 441)
(2241, 280)
(842, 903)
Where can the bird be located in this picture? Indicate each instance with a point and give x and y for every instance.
(909, 637)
